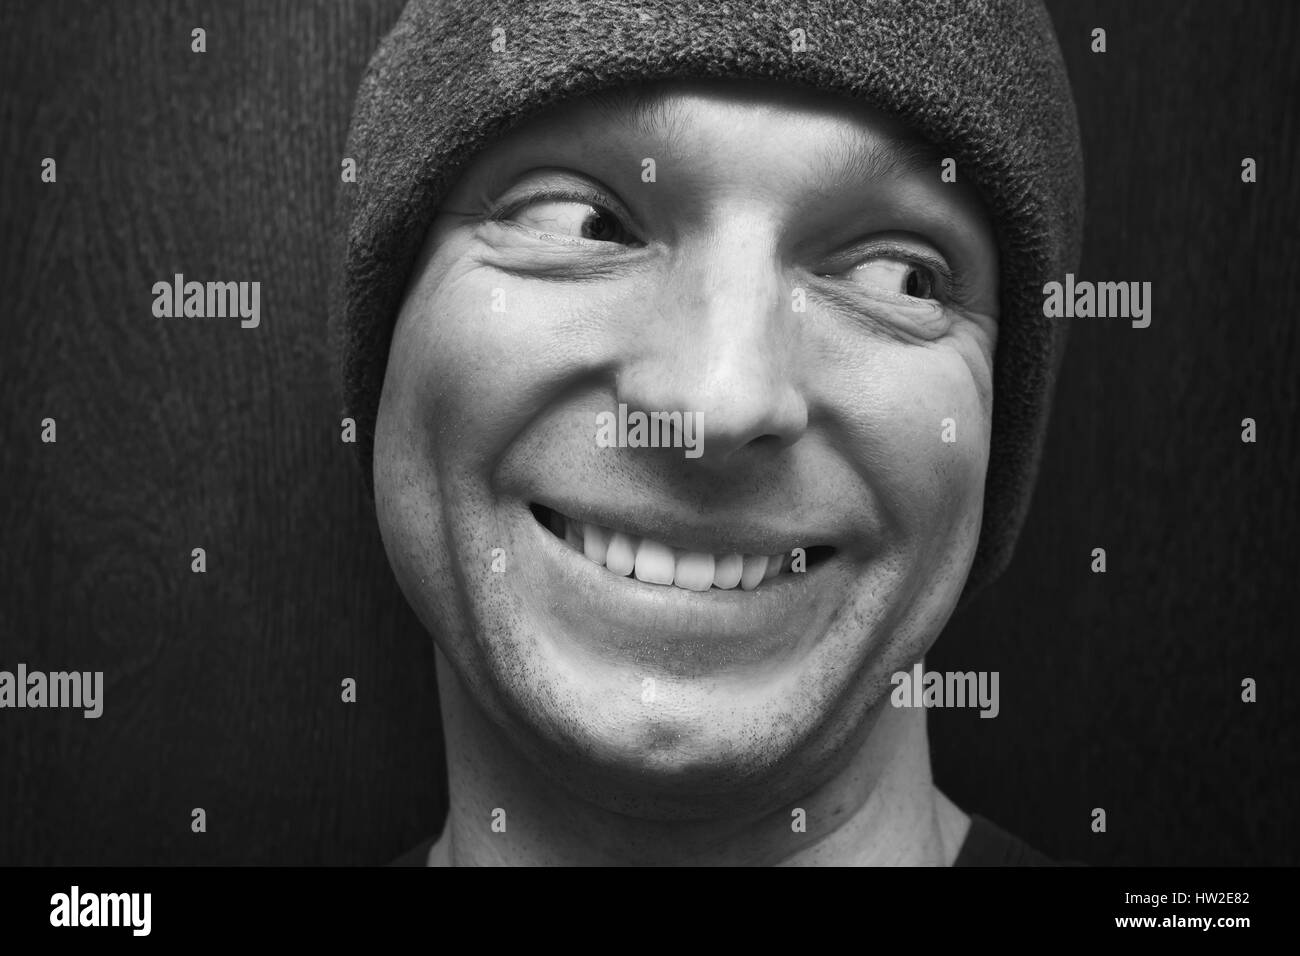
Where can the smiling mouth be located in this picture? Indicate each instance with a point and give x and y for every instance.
(654, 562)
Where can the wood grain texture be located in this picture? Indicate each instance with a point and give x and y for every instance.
(1122, 690)
(222, 689)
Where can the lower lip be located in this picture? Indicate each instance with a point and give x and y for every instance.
(667, 626)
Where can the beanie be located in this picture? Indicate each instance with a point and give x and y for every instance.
(983, 80)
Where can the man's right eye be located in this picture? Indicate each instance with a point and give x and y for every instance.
(570, 219)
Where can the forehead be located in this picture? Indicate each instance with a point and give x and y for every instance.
(663, 112)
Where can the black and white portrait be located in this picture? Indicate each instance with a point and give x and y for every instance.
(649, 433)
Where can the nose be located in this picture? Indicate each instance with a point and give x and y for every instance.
(721, 342)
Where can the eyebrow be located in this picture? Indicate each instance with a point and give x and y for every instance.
(638, 111)
(896, 154)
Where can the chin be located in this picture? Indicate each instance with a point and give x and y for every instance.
(667, 702)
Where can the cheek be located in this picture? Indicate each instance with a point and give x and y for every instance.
(486, 351)
(919, 433)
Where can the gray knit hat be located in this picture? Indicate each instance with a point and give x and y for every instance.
(981, 79)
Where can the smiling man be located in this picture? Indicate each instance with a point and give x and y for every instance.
(807, 242)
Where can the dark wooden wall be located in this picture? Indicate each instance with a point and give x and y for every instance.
(223, 689)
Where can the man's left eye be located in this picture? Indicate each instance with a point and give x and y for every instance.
(897, 276)
(572, 218)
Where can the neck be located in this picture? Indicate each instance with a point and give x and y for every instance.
(880, 809)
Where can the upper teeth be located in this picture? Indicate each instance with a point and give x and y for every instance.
(656, 563)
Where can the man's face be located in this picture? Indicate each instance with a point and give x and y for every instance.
(798, 277)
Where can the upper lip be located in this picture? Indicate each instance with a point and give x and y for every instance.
(733, 533)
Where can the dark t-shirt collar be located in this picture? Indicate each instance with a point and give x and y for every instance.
(986, 844)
